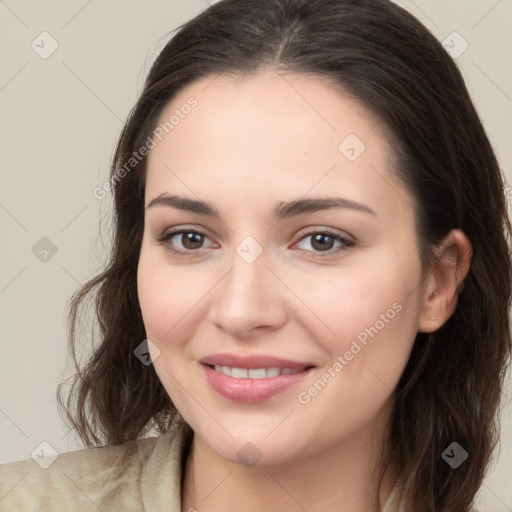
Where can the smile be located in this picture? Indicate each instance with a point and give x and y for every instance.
(252, 385)
(255, 373)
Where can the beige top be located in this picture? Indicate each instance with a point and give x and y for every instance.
(137, 476)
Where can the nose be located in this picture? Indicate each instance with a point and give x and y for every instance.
(249, 299)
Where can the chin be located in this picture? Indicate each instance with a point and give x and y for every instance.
(251, 448)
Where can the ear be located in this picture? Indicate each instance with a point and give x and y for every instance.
(445, 281)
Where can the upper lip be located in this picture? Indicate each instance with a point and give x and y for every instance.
(252, 361)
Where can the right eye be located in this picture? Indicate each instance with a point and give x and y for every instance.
(190, 240)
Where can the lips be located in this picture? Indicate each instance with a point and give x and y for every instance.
(253, 378)
(252, 362)
(254, 373)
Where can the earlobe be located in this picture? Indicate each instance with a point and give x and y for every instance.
(445, 281)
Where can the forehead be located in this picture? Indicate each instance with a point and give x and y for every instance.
(270, 132)
(280, 110)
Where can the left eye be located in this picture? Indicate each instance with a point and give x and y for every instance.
(323, 242)
(191, 241)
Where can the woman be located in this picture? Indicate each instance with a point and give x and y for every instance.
(309, 287)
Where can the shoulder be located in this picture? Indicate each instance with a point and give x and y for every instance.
(88, 479)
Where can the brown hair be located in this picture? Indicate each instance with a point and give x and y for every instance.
(380, 54)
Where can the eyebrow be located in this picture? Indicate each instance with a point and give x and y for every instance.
(281, 211)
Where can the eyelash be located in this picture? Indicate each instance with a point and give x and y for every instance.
(346, 243)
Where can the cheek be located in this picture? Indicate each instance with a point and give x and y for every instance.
(173, 301)
(356, 303)
(165, 297)
(369, 322)
(365, 324)
(155, 301)
(167, 304)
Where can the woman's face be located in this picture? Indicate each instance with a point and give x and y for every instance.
(303, 274)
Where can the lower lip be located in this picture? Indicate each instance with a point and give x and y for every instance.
(251, 390)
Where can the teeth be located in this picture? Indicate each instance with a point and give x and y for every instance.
(254, 373)
(238, 373)
(273, 372)
(257, 373)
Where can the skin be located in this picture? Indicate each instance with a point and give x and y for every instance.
(251, 143)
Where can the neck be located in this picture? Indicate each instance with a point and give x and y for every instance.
(343, 478)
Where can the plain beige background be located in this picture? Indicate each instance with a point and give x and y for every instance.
(61, 116)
